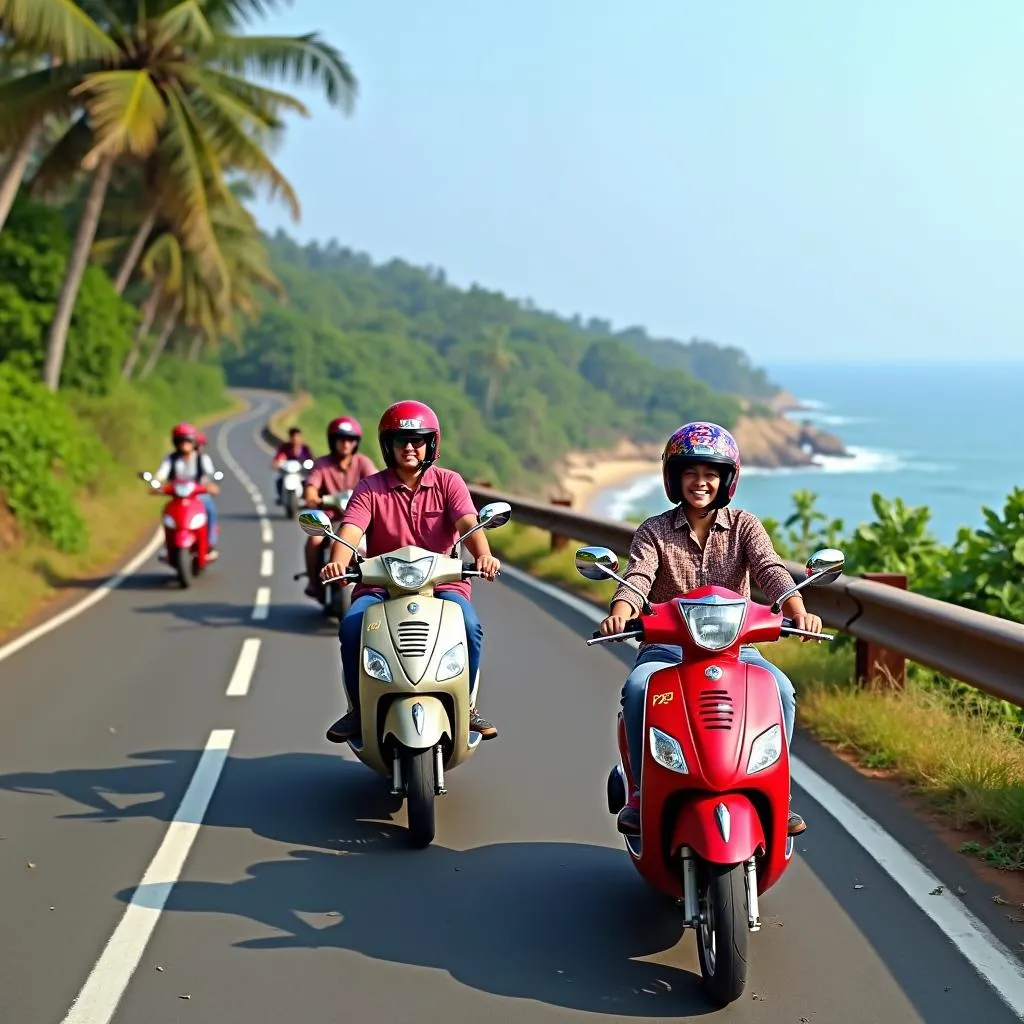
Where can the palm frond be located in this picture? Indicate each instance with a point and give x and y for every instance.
(59, 27)
(64, 158)
(127, 113)
(185, 25)
(26, 100)
(304, 60)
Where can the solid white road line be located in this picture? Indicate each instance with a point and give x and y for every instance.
(982, 950)
(261, 609)
(267, 562)
(86, 603)
(244, 668)
(98, 1000)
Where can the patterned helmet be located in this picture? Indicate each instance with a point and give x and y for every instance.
(701, 442)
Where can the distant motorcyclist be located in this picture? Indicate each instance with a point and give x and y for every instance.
(412, 502)
(186, 462)
(293, 448)
(339, 470)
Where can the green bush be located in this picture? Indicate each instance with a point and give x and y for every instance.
(46, 457)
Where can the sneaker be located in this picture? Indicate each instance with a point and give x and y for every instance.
(481, 725)
(628, 819)
(796, 824)
(348, 727)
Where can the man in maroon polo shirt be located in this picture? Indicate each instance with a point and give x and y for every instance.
(412, 502)
(339, 470)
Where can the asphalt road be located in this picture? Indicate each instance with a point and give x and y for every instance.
(297, 899)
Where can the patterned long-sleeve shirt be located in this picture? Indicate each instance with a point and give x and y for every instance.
(666, 561)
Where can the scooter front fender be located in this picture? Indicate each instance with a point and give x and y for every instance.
(183, 538)
(720, 828)
(416, 722)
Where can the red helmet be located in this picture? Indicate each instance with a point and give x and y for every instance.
(701, 442)
(409, 419)
(201, 439)
(344, 427)
(184, 432)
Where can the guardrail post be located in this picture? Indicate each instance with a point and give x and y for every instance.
(558, 540)
(874, 663)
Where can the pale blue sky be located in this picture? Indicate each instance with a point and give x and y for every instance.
(808, 180)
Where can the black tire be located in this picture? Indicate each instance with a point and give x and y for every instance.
(181, 560)
(722, 897)
(418, 771)
(291, 504)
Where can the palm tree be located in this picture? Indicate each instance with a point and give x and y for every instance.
(169, 79)
(181, 285)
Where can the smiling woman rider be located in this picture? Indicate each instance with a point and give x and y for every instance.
(698, 543)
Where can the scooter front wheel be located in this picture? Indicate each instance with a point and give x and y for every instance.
(291, 504)
(723, 930)
(418, 770)
(181, 559)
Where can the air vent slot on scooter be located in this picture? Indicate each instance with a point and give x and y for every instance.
(715, 709)
(413, 638)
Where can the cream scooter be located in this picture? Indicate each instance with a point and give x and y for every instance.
(415, 693)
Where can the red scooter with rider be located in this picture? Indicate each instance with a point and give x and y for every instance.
(189, 519)
(702, 793)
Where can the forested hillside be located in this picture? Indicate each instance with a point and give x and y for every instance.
(516, 388)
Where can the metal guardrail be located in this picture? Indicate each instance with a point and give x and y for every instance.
(980, 649)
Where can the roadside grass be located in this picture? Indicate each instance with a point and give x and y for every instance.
(951, 748)
(119, 513)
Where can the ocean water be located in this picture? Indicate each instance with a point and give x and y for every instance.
(949, 437)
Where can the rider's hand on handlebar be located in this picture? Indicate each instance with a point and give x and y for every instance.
(612, 625)
(812, 623)
(334, 571)
(488, 566)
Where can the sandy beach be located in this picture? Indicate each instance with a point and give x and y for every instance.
(587, 475)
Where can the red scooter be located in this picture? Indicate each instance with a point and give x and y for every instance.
(186, 529)
(714, 782)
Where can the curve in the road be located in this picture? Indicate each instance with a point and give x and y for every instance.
(279, 886)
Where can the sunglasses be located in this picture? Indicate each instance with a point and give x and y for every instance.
(416, 440)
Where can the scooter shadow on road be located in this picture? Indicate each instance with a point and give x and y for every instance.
(303, 617)
(563, 923)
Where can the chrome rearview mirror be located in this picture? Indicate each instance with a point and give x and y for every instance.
(496, 514)
(597, 563)
(592, 563)
(218, 475)
(315, 523)
(490, 517)
(825, 566)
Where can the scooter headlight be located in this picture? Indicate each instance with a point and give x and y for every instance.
(375, 665)
(409, 575)
(198, 521)
(292, 466)
(452, 663)
(184, 488)
(714, 624)
(667, 752)
(765, 750)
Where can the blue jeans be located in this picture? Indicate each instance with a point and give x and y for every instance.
(351, 628)
(658, 656)
(211, 516)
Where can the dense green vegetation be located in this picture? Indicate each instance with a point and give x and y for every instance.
(515, 388)
(130, 137)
